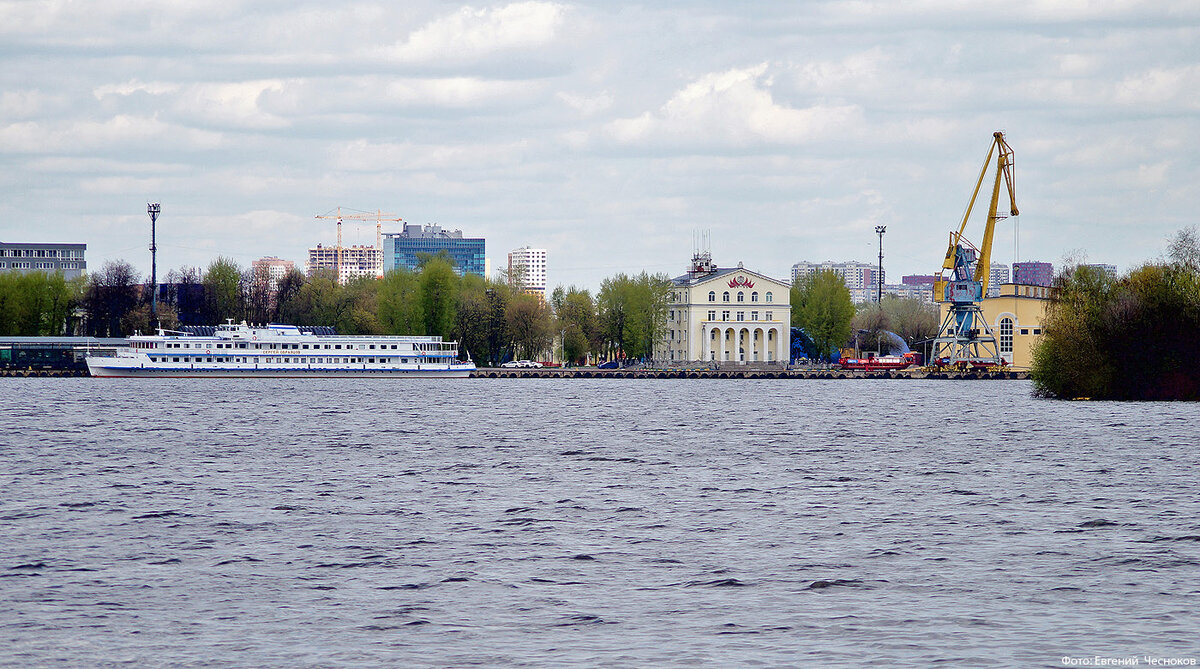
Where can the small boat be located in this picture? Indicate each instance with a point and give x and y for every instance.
(241, 350)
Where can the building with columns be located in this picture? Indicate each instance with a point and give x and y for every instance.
(726, 314)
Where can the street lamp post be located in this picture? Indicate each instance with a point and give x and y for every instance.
(153, 209)
(879, 230)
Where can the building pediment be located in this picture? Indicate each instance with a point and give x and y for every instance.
(732, 279)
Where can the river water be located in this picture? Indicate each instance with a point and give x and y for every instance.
(584, 523)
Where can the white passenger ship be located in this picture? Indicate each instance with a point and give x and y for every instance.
(281, 351)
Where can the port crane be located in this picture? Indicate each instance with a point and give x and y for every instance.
(965, 338)
(378, 217)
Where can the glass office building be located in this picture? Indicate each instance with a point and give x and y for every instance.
(401, 250)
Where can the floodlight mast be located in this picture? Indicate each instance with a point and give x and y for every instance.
(879, 230)
(153, 209)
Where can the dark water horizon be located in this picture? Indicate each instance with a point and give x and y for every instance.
(584, 523)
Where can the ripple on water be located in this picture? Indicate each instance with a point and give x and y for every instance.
(531, 522)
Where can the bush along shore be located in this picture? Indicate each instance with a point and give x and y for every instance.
(1133, 337)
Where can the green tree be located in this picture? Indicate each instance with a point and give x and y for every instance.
(112, 292)
(822, 307)
(285, 307)
(471, 318)
(529, 325)
(439, 295)
(322, 301)
(35, 303)
(399, 302)
(913, 320)
(362, 295)
(632, 313)
(868, 326)
(576, 315)
(613, 304)
(223, 292)
(1125, 339)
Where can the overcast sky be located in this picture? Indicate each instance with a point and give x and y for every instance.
(605, 132)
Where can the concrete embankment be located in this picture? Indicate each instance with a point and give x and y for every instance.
(43, 372)
(592, 373)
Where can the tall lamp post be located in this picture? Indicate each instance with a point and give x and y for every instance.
(153, 209)
(879, 230)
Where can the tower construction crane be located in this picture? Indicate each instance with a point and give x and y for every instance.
(379, 217)
(965, 339)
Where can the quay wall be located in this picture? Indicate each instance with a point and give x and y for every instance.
(586, 373)
(552, 373)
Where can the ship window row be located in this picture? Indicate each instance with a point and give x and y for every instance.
(210, 345)
(281, 360)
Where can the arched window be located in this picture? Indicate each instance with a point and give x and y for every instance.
(725, 296)
(741, 296)
(754, 296)
(1006, 335)
(712, 296)
(769, 296)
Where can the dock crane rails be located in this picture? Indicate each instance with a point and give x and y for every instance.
(965, 339)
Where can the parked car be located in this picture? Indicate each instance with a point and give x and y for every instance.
(611, 364)
(528, 364)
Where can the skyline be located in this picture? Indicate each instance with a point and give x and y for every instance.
(607, 133)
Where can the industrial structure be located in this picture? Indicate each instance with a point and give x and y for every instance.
(965, 338)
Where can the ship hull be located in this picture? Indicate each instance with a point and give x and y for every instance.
(107, 367)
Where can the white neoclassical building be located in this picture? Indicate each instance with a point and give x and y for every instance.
(727, 314)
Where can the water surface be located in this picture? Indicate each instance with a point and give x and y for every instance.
(580, 523)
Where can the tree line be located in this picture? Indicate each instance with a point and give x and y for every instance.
(823, 309)
(490, 319)
(1131, 337)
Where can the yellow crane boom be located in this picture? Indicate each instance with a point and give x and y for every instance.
(1004, 170)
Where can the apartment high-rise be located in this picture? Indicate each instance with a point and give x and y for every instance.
(1033, 273)
(355, 262)
(272, 269)
(528, 266)
(861, 278)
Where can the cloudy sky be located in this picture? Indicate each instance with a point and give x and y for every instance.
(607, 132)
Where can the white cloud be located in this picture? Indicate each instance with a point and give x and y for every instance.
(587, 105)
(135, 86)
(473, 33)
(365, 156)
(1160, 86)
(454, 91)
(25, 104)
(117, 131)
(735, 108)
